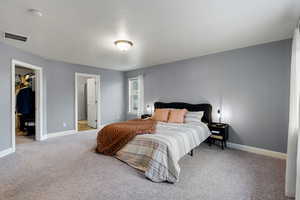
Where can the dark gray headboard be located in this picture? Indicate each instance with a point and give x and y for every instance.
(207, 108)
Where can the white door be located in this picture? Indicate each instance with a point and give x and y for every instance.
(91, 103)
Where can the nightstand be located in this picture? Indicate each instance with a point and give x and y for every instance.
(144, 116)
(219, 132)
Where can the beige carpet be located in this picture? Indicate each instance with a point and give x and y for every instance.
(22, 139)
(66, 168)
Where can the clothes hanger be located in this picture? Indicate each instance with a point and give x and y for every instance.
(24, 82)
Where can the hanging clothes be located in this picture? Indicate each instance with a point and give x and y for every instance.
(25, 101)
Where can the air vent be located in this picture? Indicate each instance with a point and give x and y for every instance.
(15, 37)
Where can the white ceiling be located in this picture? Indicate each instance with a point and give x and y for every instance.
(163, 31)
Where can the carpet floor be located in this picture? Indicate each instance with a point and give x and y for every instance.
(22, 139)
(66, 168)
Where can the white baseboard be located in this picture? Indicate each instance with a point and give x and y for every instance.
(93, 130)
(58, 134)
(89, 131)
(102, 126)
(51, 135)
(69, 132)
(43, 137)
(256, 150)
(6, 152)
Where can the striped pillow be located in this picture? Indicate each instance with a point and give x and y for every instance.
(192, 117)
(161, 115)
(177, 115)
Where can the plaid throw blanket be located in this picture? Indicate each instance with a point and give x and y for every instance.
(158, 154)
(151, 157)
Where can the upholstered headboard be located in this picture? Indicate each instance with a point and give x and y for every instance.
(207, 108)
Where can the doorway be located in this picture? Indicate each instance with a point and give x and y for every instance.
(87, 102)
(26, 102)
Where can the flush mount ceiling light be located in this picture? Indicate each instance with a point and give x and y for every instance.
(124, 45)
(35, 12)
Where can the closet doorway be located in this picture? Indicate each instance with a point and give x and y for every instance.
(26, 103)
(87, 102)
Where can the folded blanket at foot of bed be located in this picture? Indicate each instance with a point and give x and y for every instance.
(114, 137)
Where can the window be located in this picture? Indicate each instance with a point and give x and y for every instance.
(135, 95)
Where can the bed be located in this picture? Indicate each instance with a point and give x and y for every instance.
(157, 155)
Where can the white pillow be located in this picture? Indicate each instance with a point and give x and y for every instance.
(191, 117)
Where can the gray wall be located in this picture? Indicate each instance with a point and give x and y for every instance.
(252, 84)
(82, 97)
(59, 92)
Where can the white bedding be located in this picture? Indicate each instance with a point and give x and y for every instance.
(173, 141)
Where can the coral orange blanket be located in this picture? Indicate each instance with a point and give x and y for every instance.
(114, 137)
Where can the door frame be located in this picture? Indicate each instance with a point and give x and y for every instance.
(38, 100)
(98, 94)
